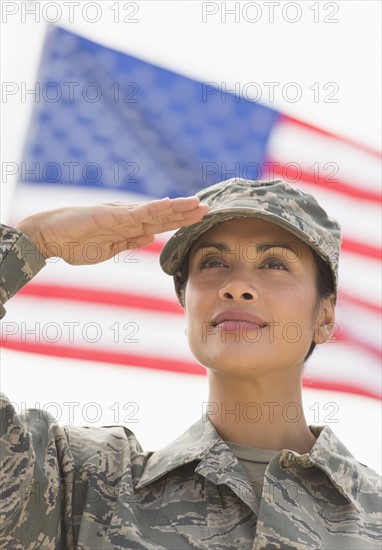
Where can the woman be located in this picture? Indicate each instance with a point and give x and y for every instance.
(250, 473)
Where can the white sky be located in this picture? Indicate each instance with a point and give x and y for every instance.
(333, 44)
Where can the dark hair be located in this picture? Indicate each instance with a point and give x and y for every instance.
(324, 285)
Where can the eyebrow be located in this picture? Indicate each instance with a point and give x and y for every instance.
(263, 247)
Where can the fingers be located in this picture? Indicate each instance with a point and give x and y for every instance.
(168, 226)
(159, 204)
(183, 204)
(166, 210)
(198, 212)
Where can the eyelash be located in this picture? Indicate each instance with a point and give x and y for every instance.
(206, 261)
(277, 262)
(270, 262)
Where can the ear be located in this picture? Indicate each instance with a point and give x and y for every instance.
(324, 324)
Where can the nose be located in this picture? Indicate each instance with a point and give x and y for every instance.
(238, 288)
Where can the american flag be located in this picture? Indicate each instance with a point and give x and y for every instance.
(107, 126)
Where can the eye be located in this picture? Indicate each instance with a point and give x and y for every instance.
(275, 264)
(211, 262)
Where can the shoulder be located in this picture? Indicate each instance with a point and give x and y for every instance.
(52, 471)
(116, 445)
(359, 483)
(369, 492)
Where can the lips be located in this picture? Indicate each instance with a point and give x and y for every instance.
(230, 320)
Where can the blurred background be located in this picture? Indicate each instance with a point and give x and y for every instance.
(106, 101)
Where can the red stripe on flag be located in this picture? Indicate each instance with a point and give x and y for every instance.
(156, 247)
(106, 356)
(370, 306)
(94, 296)
(352, 341)
(332, 135)
(126, 299)
(138, 301)
(361, 248)
(185, 367)
(339, 387)
(294, 173)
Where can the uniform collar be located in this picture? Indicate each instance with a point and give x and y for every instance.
(192, 445)
(331, 456)
(328, 454)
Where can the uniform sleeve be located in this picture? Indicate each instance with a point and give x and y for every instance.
(20, 261)
(37, 478)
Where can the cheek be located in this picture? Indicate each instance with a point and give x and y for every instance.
(198, 306)
(298, 308)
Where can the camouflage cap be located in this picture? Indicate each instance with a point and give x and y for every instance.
(274, 201)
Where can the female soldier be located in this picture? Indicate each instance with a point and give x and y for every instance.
(250, 473)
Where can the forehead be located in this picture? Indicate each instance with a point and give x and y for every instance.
(252, 230)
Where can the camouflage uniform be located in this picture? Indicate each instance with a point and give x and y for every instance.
(20, 262)
(95, 488)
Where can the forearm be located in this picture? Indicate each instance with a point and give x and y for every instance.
(113, 226)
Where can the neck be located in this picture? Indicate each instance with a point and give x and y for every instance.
(263, 413)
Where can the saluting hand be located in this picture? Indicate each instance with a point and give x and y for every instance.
(113, 227)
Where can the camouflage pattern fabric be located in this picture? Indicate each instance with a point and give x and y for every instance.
(20, 262)
(95, 488)
(275, 201)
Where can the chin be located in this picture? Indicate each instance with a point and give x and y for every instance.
(230, 362)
